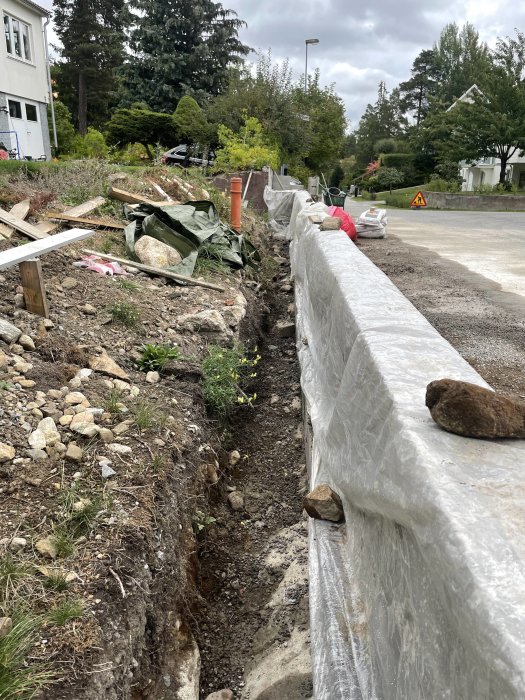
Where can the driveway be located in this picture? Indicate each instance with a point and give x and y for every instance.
(491, 244)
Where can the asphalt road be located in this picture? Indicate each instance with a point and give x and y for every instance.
(490, 244)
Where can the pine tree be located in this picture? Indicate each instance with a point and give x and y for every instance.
(417, 92)
(92, 37)
(180, 47)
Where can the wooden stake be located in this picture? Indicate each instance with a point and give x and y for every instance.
(93, 223)
(80, 210)
(132, 198)
(159, 272)
(34, 288)
(21, 226)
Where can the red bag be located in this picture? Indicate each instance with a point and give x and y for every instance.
(347, 224)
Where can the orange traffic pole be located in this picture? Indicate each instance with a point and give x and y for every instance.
(235, 207)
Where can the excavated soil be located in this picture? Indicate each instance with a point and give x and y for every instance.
(484, 324)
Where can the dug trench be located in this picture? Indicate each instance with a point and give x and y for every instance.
(252, 626)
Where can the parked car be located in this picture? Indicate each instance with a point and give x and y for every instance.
(187, 156)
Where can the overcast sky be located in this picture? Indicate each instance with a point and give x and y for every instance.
(360, 46)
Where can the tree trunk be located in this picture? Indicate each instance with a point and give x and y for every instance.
(148, 150)
(503, 169)
(82, 104)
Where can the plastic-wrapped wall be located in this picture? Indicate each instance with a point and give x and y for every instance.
(421, 594)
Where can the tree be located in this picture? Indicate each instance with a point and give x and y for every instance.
(139, 125)
(416, 92)
(190, 122)
(247, 149)
(389, 177)
(383, 120)
(491, 123)
(461, 60)
(64, 125)
(180, 47)
(92, 37)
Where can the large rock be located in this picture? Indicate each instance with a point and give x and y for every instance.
(225, 694)
(7, 452)
(47, 427)
(284, 329)
(8, 332)
(207, 321)
(104, 364)
(324, 504)
(84, 424)
(155, 253)
(473, 411)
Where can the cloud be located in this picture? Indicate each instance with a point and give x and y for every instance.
(362, 45)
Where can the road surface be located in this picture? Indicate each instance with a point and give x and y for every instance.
(491, 244)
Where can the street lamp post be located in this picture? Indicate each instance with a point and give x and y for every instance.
(307, 42)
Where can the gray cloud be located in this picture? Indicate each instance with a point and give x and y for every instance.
(362, 45)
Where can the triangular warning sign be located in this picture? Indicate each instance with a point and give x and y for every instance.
(419, 200)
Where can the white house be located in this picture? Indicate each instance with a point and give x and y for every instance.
(24, 85)
(487, 170)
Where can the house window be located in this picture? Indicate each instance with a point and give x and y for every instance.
(31, 114)
(17, 38)
(15, 109)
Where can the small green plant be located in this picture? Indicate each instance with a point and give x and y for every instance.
(127, 314)
(113, 401)
(18, 678)
(158, 463)
(145, 415)
(154, 357)
(211, 261)
(12, 573)
(65, 611)
(128, 285)
(201, 521)
(226, 372)
(64, 541)
(5, 386)
(56, 581)
(106, 245)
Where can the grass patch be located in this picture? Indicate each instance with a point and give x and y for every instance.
(145, 415)
(210, 260)
(20, 678)
(56, 581)
(154, 357)
(12, 574)
(122, 312)
(113, 401)
(226, 373)
(65, 611)
(128, 285)
(64, 541)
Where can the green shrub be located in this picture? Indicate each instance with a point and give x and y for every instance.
(92, 145)
(226, 373)
(438, 184)
(127, 314)
(397, 160)
(245, 150)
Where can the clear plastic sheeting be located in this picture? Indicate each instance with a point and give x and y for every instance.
(421, 594)
(280, 204)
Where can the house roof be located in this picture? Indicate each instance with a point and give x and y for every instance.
(473, 90)
(33, 6)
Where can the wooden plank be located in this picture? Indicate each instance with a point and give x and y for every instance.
(131, 198)
(34, 288)
(21, 226)
(20, 211)
(155, 271)
(14, 256)
(85, 207)
(95, 223)
(79, 210)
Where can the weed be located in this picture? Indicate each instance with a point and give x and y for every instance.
(65, 611)
(154, 357)
(64, 541)
(56, 581)
(226, 372)
(114, 401)
(106, 245)
(211, 260)
(5, 386)
(201, 521)
(128, 285)
(18, 678)
(145, 415)
(158, 463)
(12, 573)
(127, 314)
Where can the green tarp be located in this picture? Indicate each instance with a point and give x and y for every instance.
(186, 227)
